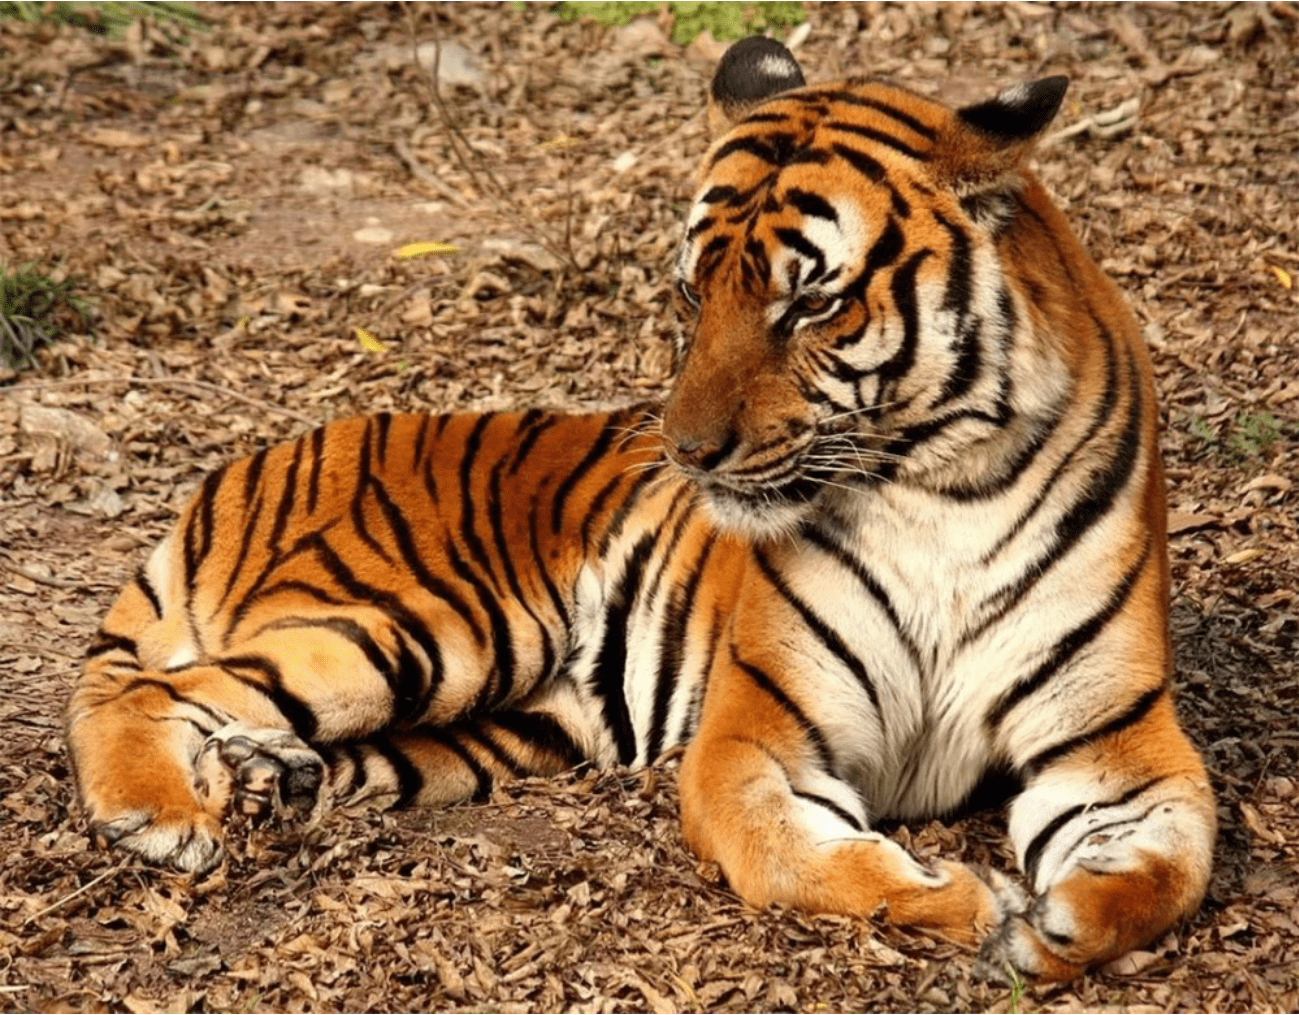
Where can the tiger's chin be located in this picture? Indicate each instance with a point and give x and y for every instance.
(761, 516)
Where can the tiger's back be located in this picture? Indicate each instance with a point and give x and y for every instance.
(901, 529)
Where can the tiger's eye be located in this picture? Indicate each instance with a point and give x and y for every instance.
(811, 304)
(687, 293)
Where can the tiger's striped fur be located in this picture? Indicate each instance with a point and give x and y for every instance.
(910, 534)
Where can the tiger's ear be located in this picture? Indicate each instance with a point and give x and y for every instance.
(990, 141)
(750, 71)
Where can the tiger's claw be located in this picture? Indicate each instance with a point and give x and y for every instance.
(258, 772)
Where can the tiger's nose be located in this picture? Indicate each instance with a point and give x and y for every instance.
(705, 453)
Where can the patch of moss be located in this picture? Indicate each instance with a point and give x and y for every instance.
(724, 20)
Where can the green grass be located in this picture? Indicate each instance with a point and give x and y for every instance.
(723, 20)
(34, 309)
(1245, 436)
(104, 18)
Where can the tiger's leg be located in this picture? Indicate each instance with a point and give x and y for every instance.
(435, 765)
(1116, 837)
(163, 752)
(758, 796)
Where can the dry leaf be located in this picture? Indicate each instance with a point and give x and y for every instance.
(368, 342)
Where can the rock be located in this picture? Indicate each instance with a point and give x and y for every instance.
(319, 180)
(642, 37)
(374, 235)
(456, 64)
(85, 439)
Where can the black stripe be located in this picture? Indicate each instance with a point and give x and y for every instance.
(409, 778)
(501, 646)
(886, 249)
(875, 134)
(610, 670)
(468, 510)
(446, 739)
(383, 422)
(832, 807)
(293, 708)
(903, 290)
(145, 586)
(713, 251)
(823, 631)
(533, 426)
(1093, 503)
(811, 204)
(217, 718)
(406, 679)
(672, 644)
(421, 436)
(593, 455)
(853, 99)
(397, 611)
(1033, 853)
(105, 642)
(630, 499)
(876, 173)
(364, 481)
(254, 474)
(1130, 716)
(543, 732)
(869, 583)
(534, 547)
(413, 561)
(251, 521)
(289, 585)
(860, 161)
(795, 240)
(775, 148)
(1069, 646)
(480, 738)
(496, 521)
(678, 525)
(287, 498)
(317, 462)
(813, 734)
(198, 530)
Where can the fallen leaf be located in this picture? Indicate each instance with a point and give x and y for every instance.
(425, 249)
(368, 342)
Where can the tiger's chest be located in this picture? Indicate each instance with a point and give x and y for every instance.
(919, 624)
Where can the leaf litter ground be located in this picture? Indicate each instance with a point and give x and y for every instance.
(234, 203)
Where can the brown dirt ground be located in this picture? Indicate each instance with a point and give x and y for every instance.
(211, 192)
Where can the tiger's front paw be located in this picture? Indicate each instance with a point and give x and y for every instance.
(257, 772)
(1018, 946)
(181, 837)
(1053, 939)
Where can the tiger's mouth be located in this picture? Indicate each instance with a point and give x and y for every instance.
(771, 509)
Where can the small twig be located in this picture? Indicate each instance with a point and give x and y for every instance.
(422, 173)
(496, 189)
(169, 382)
(72, 895)
(36, 576)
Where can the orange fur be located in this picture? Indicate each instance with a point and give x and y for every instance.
(903, 528)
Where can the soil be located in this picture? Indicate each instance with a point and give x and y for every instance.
(235, 202)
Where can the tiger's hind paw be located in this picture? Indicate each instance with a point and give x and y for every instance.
(258, 772)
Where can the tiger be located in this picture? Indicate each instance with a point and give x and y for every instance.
(898, 529)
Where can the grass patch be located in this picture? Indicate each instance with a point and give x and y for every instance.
(723, 20)
(104, 18)
(34, 310)
(1247, 435)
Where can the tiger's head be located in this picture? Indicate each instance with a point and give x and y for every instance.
(848, 312)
